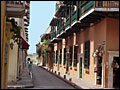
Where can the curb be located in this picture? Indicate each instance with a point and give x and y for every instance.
(20, 86)
(65, 80)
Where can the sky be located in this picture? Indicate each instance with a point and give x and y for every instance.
(41, 13)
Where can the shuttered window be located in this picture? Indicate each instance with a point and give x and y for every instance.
(64, 56)
(75, 56)
(60, 56)
(56, 56)
(87, 55)
(70, 59)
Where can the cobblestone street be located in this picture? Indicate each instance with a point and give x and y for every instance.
(45, 80)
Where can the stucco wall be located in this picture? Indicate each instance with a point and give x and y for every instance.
(105, 30)
(3, 25)
(12, 74)
(112, 41)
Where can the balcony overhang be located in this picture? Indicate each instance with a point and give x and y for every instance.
(100, 13)
(15, 10)
(56, 40)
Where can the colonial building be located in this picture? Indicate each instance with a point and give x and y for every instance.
(85, 35)
(9, 60)
(47, 53)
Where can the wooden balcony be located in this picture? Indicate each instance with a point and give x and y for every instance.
(101, 6)
(15, 8)
(67, 23)
(53, 35)
(60, 9)
(90, 12)
(74, 17)
(87, 14)
(54, 22)
(60, 29)
(54, 39)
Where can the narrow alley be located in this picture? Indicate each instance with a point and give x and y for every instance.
(45, 80)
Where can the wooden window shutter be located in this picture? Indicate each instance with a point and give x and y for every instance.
(87, 54)
(75, 56)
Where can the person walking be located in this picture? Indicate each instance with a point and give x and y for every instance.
(30, 66)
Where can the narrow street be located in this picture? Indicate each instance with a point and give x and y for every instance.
(45, 80)
(60, 44)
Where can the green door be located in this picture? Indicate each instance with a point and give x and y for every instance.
(80, 67)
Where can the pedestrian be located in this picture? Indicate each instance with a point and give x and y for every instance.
(28, 61)
(30, 67)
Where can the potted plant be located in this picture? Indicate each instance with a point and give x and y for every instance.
(16, 30)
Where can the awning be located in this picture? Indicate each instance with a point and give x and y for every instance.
(24, 44)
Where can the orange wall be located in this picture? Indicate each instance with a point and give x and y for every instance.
(96, 34)
(112, 41)
(105, 30)
(112, 36)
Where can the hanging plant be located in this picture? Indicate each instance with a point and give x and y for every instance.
(16, 29)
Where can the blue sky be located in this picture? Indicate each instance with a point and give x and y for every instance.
(41, 13)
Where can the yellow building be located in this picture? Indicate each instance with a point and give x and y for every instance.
(5, 39)
(13, 56)
(19, 52)
(8, 9)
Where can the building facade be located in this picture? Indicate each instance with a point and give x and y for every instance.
(85, 35)
(47, 52)
(9, 59)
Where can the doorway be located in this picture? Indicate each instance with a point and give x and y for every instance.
(80, 66)
(116, 72)
(99, 71)
(113, 81)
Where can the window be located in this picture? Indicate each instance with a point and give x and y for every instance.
(60, 56)
(75, 56)
(87, 54)
(64, 56)
(70, 56)
(56, 56)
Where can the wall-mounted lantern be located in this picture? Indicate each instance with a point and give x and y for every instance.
(11, 45)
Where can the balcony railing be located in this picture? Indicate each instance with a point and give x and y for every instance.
(60, 29)
(107, 4)
(15, 8)
(58, 4)
(74, 16)
(98, 4)
(67, 23)
(53, 35)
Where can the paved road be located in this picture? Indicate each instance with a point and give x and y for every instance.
(45, 80)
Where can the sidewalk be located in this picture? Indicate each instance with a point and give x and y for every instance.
(25, 82)
(78, 83)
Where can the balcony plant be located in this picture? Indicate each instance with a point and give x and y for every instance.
(16, 29)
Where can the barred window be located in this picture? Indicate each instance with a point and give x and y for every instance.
(75, 56)
(56, 56)
(87, 55)
(64, 56)
(60, 56)
(70, 59)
